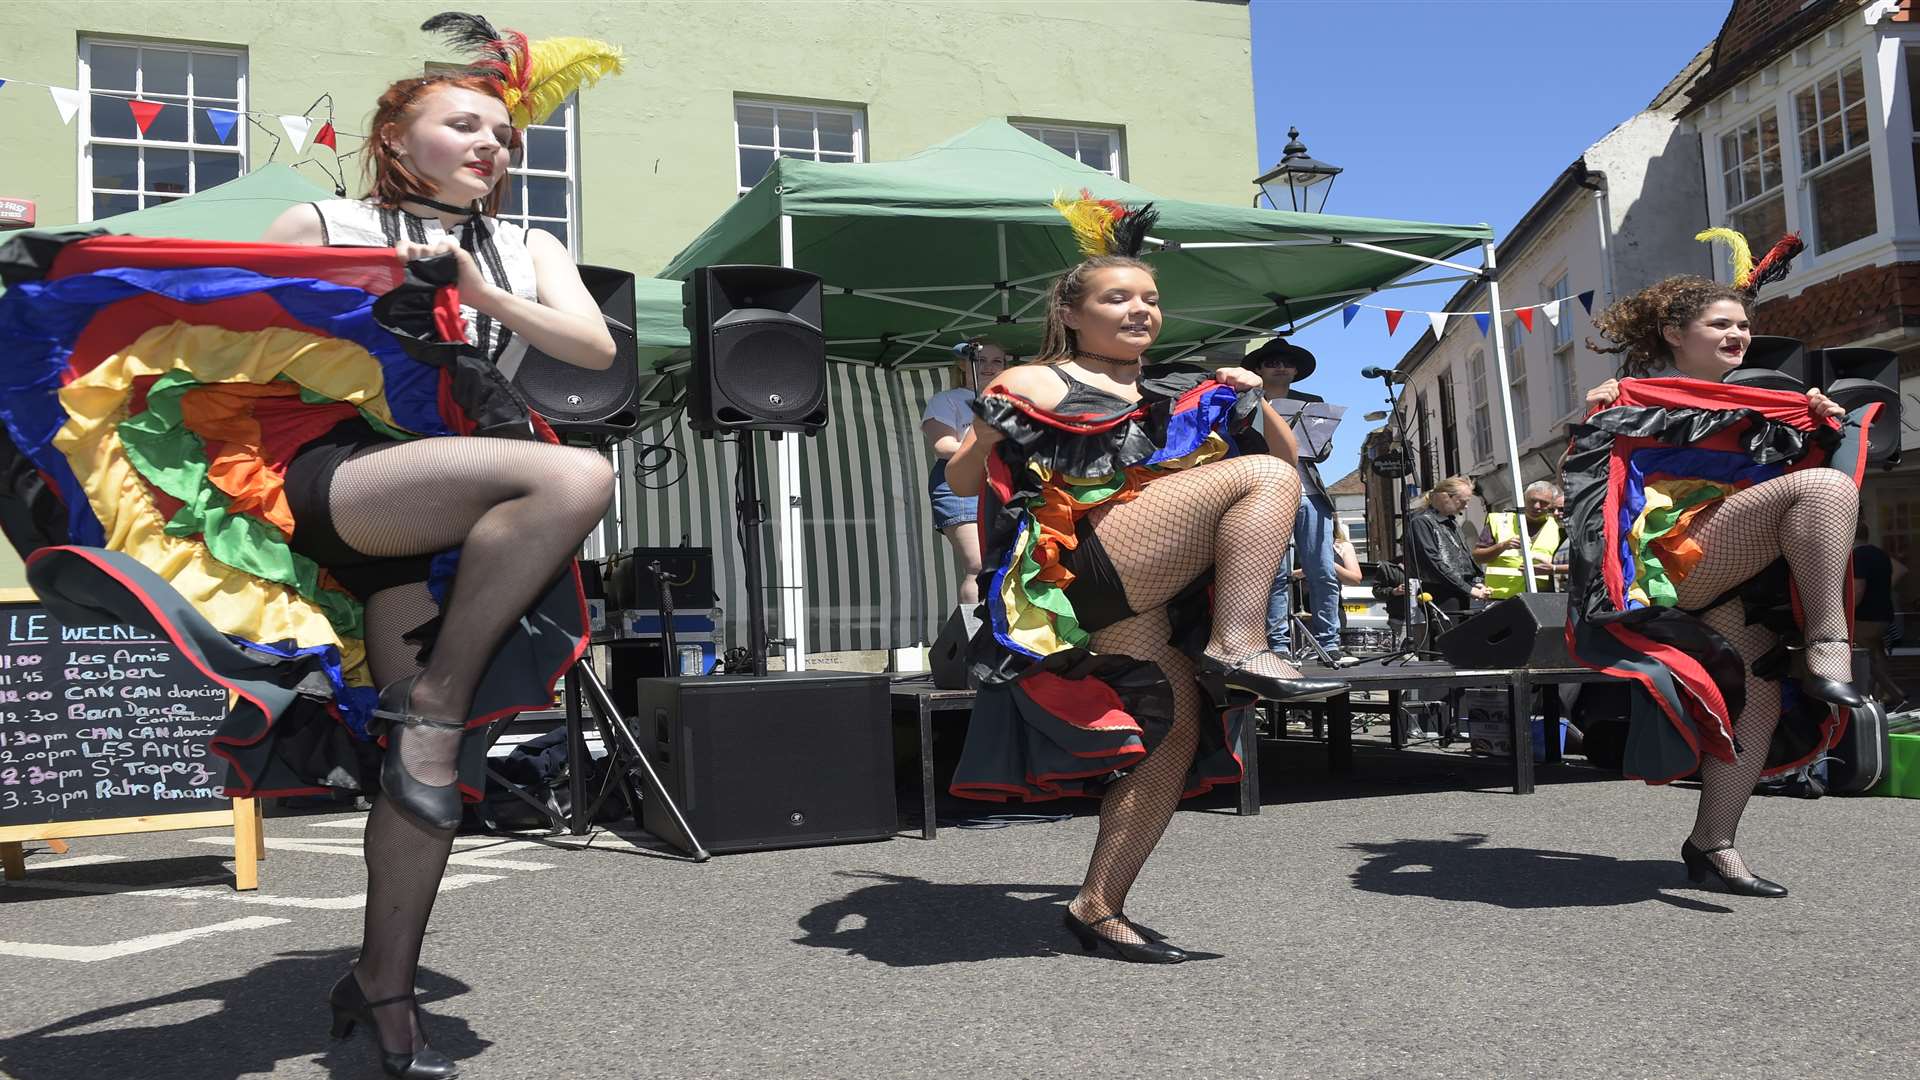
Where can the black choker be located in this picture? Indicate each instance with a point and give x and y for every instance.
(1121, 361)
(445, 208)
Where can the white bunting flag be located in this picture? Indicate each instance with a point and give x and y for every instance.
(1439, 323)
(296, 128)
(66, 100)
(1552, 312)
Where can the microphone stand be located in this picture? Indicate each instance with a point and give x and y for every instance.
(1407, 649)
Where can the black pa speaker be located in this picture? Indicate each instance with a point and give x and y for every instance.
(1528, 630)
(759, 350)
(783, 760)
(1777, 363)
(948, 657)
(582, 404)
(1861, 376)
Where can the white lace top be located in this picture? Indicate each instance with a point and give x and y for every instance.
(502, 257)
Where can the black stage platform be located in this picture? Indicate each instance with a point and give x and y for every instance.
(919, 698)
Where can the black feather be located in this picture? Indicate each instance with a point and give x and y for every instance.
(466, 33)
(1130, 232)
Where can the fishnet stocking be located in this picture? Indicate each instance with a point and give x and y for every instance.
(1235, 516)
(1725, 788)
(405, 859)
(519, 511)
(1807, 516)
(1135, 811)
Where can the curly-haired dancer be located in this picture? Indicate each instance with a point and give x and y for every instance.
(1715, 515)
(1111, 498)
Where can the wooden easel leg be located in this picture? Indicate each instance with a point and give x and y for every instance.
(13, 860)
(246, 845)
(58, 847)
(259, 828)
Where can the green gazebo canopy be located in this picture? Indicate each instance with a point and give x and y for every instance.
(238, 210)
(961, 238)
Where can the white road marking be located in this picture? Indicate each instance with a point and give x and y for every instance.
(481, 851)
(38, 865)
(87, 954)
(223, 891)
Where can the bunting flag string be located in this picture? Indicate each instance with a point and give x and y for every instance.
(67, 100)
(1553, 310)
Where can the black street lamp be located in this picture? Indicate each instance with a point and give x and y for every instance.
(1304, 181)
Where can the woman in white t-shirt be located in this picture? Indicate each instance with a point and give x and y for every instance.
(945, 421)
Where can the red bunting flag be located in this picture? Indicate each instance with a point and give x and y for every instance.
(144, 112)
(1525, 315)
(1393, 319)
(325, 137)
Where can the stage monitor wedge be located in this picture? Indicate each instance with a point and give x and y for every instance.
(1528, 630)
(759, 350)
(581, 404)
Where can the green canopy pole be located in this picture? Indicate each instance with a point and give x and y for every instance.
(1506, 408)
(793, 562)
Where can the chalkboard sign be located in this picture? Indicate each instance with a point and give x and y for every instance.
(102, 722)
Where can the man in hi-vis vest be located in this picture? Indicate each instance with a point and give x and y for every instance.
(1498, 548)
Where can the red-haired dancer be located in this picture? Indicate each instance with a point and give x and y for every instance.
(373, 510)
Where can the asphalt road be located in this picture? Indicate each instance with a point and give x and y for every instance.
(1417, 921)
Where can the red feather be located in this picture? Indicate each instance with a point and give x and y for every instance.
(1773, 266)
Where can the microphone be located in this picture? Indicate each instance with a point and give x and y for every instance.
(1388, 374)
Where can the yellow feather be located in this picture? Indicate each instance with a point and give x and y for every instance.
(1740, 253)
(559, 67)
(1092, 225)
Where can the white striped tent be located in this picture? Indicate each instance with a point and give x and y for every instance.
(877, 575)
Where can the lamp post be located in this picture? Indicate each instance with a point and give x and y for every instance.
(1303, 181)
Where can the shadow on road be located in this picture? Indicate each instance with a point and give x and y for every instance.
(276, 1012)
(1465, 869)
(910, 922)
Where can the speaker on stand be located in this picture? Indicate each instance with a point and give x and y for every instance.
(583, 405)
(759, 364)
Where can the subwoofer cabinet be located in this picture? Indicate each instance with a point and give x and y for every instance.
(788, 759)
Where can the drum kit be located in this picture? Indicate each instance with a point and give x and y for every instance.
(1368, 631)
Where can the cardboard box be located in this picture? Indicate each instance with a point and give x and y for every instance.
(1488, 732)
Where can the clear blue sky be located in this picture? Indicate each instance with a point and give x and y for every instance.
(1458, 111)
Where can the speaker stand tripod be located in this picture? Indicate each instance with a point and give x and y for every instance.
(624, 756)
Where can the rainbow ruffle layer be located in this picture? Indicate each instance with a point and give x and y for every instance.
(160, 387)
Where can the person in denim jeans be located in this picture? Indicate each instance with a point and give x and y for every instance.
(1280, 364)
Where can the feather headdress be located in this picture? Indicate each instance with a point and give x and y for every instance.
(1106, 227)
(535, 76)
(1748, 275)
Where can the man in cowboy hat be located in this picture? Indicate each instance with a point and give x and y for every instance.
(1281, 364)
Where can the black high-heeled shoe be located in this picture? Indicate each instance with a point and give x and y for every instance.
(350, 1006)
(1219, 678)
(437, 807)
(1832, 691)
(1699, 866)
(1152, 952)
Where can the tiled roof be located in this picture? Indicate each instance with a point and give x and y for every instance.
(1757, 31)
(1350, 484)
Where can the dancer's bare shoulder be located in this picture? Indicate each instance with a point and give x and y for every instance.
(1033, 382)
